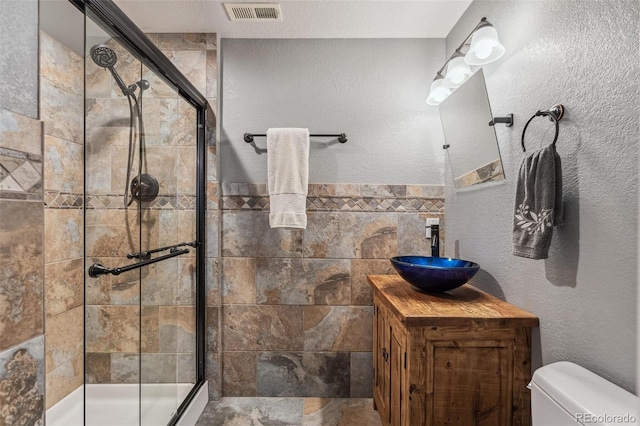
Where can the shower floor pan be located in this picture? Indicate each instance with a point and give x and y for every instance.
(117, 404)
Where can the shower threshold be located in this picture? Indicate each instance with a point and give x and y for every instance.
(117, 404)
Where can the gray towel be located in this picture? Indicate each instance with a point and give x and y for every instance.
(538, 203)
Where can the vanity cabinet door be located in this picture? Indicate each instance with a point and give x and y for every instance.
(397, 375)
(381, 336)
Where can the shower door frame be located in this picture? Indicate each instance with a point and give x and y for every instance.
(116, 23)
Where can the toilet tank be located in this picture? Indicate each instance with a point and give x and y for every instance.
(565, 394)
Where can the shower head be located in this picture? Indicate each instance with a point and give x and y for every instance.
(103, 56)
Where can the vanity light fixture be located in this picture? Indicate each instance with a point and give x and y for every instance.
(483, 48)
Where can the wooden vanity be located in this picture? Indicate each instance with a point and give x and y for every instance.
(461, 358)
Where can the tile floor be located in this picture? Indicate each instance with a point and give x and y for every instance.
(290, 411)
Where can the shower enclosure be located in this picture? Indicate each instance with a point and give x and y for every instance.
(144, 201)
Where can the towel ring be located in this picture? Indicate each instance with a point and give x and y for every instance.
(555, 113)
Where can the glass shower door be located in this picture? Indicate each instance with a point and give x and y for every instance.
(168, 288)
(140, 233)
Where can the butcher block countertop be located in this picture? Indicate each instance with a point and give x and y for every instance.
(456, 307)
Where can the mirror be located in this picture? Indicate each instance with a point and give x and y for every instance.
(473, 151)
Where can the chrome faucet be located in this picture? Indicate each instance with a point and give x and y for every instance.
(435, 240)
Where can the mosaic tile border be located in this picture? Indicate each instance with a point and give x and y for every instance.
(162, 202)
(342, 204)
(62, 200)
(20, 175)
(342, 198)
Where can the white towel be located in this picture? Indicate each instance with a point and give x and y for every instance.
(288, 176)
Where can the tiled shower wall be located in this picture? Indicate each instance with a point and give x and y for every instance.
(168, 314)
(296, 306)
(62, 110)
(21, 219)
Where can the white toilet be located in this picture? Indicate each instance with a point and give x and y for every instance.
(565, 394)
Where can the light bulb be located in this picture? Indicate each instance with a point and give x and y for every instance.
(438, 92)
(485, 47)
(457, 72)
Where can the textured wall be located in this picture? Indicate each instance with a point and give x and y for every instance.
(374, 90)
(19, 58)
(585, 56)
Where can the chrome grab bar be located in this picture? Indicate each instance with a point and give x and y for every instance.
(98, 269)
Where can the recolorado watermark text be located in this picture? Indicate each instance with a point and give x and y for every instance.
(587, 418)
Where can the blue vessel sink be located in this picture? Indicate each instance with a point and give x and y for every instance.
(434, 274)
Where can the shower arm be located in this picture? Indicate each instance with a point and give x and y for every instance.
(98, 269)
(146, 255)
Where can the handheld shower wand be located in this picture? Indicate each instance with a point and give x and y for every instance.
(105, 57)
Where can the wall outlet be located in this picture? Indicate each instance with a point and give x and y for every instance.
(427, 227)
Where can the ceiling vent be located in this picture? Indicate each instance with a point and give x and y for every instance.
(255, 12)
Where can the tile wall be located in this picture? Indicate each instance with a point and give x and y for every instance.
(61, 110)
(166, 290)
(296, 307)
(22, 354)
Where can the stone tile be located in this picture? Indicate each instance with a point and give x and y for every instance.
(63, 163)
(62, 112)
(425, 191)
(161, 285)
(63, 286)
(385, 191)
(65, 337)
(111, 233)
(192, 64)
(238, 280)
(213, 376)
(20, 133)
(262, 327)
(361, 375)
(411, 234)
(112, 328)
(64, 380)
(158, 368)
(338, 328)
(303, 374)
(247, 234)
(253, 411)
(340, 412)
(243, 189)
(159, 228)
(125, 368)
(239, 374)
(61, 65)
(335, 190)
(351, 235)
(212, 43)
(22, 381)
(182, 41)
(213, 287)
(107, 113)
(361, 291)
(186, 368)
(213, 195)
(158, 88)
(186, 170)
(21, 283)
(303, 282)
(63, 229)
(97, 367)
(187, 279)
(161, 163)
(212, 230)
(212, 328)
(184, 129)
(177, 329)
(29, 176)
(150, 329)
(19, 58)
(212, 74)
